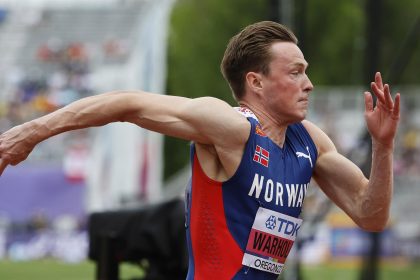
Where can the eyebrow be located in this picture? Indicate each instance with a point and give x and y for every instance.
(301, 64)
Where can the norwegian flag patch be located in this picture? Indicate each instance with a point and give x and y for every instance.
(261, 156)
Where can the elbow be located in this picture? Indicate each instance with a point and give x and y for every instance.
(372, 215)
(374, 228)
(373, 224)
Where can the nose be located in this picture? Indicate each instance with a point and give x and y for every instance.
(308, 86)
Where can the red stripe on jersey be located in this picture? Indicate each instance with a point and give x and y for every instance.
(216, 254)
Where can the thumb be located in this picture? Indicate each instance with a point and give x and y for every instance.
(368, 102)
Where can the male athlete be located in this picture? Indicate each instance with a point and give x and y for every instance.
(252, 165)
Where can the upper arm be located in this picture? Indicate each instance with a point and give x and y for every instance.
(339, 178)
(204, 120)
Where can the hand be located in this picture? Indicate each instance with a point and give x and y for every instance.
(15, 146)
(382, 120)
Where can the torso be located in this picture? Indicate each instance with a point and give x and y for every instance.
(234, 227)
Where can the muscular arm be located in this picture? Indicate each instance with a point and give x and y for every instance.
(204, 120)
(366, 201)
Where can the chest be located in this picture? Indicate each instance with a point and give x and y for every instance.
(291, 164)
(272, 177)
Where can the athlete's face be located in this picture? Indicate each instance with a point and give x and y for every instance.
(286, 87)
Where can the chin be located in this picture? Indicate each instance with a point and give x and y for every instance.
(297, 119)
(300, 117)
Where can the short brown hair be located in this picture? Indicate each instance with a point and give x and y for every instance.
(249, 50)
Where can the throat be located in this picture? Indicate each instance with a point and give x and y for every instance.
(276, 137)
(273, 128)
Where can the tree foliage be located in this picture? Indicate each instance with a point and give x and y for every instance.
(200, 31)
(399, 18)
(336, 39)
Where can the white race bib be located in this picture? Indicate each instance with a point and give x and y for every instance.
(270, 241)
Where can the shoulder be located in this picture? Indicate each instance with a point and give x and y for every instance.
(228, 131)
(229, 125)
(217, 120)
(322, 141)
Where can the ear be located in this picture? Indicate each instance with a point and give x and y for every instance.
(254, 82)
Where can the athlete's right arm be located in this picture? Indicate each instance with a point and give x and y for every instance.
(203, 120)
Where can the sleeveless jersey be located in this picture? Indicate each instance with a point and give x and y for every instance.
(244, 228)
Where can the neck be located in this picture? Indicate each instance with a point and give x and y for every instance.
(273, 128)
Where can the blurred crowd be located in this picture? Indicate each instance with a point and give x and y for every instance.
(35, 93)
(60, 77)
(408, 159)
(64, 239)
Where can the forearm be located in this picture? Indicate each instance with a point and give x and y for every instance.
(87, 112)
(376, 201)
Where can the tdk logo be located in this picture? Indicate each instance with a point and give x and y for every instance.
(271, 222)
(288, 227)
(282, 225)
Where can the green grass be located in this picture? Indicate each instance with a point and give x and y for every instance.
(55, 270)
(387, 272)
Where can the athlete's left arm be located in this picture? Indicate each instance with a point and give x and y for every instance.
(366, 201)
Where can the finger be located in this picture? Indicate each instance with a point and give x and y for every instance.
(388, 98)
(378, 93)
(368, 102)
(3, 165)
(396, 111)
(378, 80)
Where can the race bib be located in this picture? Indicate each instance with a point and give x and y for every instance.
(270, 241)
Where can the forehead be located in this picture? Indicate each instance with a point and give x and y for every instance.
(287, 54)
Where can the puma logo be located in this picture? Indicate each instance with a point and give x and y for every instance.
(308, 156)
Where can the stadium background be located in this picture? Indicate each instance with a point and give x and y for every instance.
(54, 52)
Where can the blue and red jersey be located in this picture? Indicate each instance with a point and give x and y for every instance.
(244, 228)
